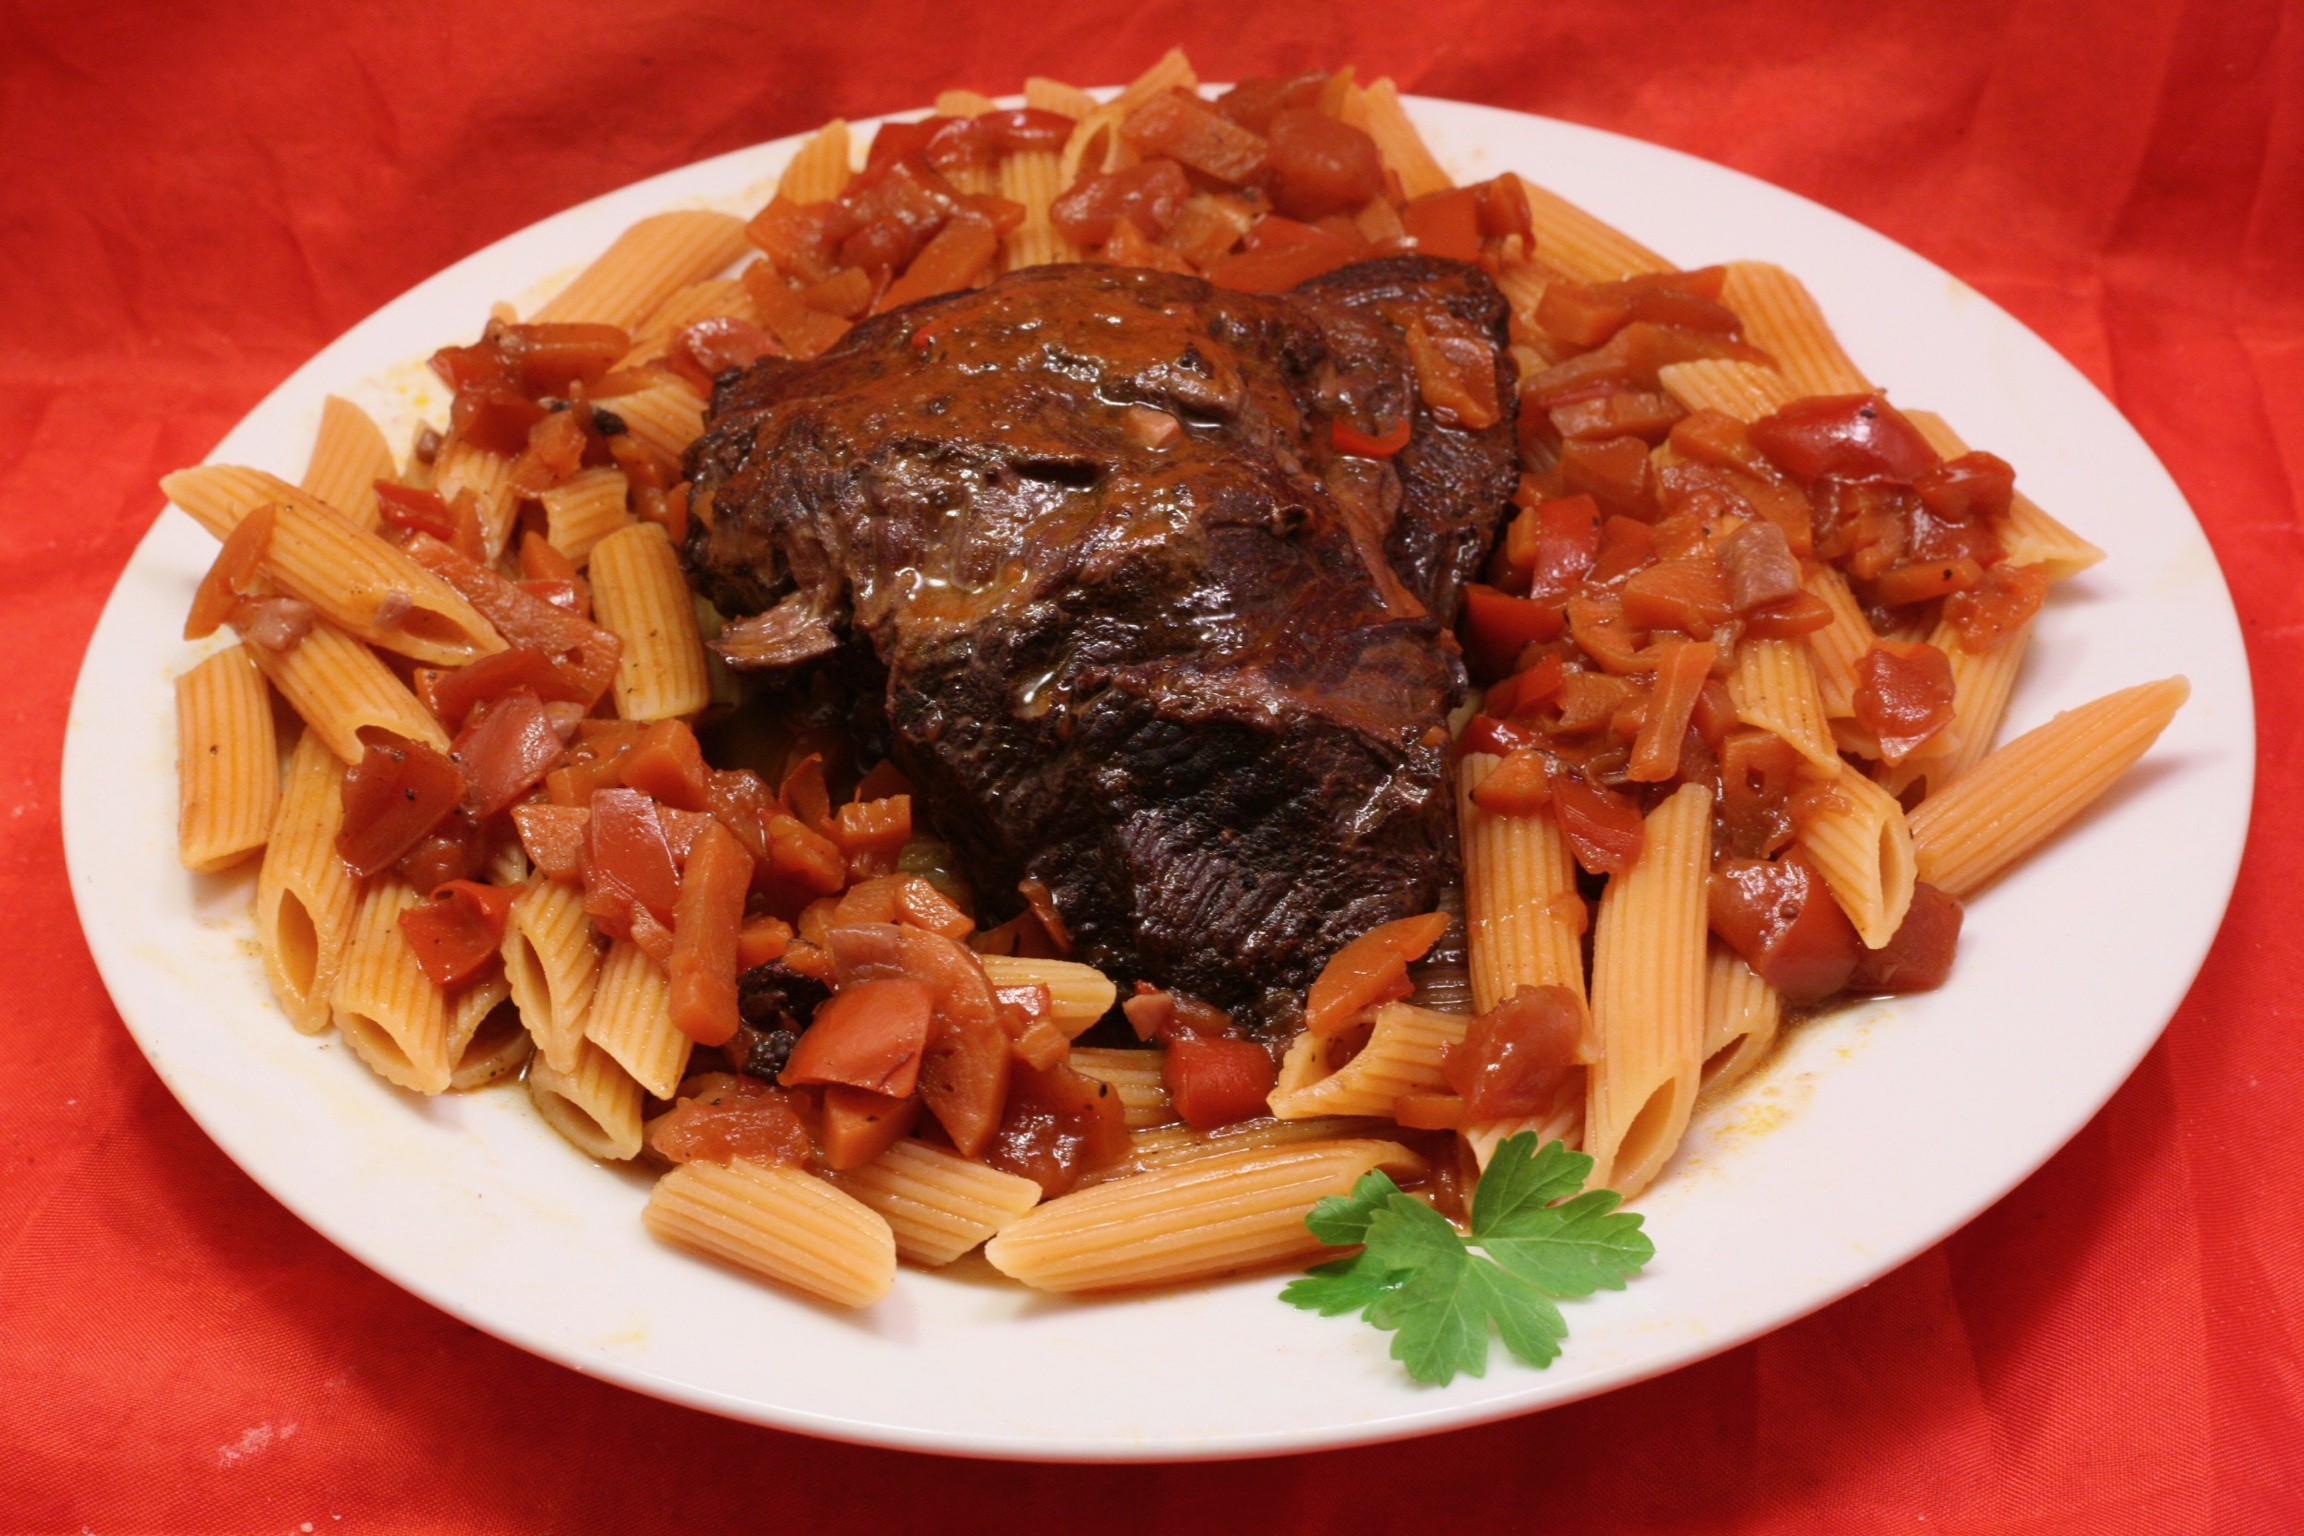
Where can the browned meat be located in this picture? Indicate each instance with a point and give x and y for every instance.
(1137, 628)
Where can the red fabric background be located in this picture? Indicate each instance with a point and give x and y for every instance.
(196, 197)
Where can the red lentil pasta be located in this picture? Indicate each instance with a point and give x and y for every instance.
(1742, 647)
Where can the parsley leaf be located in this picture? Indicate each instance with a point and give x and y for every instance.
(1416, 1278)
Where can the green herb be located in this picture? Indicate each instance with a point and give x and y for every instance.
(1415, 1277)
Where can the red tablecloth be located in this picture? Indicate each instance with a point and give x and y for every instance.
(196, 197)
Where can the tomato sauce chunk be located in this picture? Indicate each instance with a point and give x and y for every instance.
(1321, 166)
(870, 1035)
(1853, 437)
(629, 858)
(1996, 607)
(1056, 1126)
(398, 792)
(1513, 1056)
(1919, 956)
(1148, 195)
(1903, 695)
(1372, 969)
(1781, 917)
(858, 1125)
(458, 931)
(1603, 827)
(506, 751)
(718, 1117)
(1214, 1081)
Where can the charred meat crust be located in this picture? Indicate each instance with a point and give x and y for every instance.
(1144, 633)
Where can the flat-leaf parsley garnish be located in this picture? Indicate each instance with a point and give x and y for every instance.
(1415, 1277)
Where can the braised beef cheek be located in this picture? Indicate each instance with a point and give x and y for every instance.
(1138, 628)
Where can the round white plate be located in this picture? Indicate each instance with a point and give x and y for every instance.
(1873, 1134)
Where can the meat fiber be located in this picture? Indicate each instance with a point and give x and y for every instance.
(1127, 617)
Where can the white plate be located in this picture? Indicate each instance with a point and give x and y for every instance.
(1872, 1135)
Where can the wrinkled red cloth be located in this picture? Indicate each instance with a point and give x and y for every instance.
(198, 197)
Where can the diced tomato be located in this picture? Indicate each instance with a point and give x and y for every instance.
(805, 855)
(857, 1125)
(1513, 1057)
(1757, 772)
(1782, 918)
(1321, 166)
(1057, 1125)
(1215, 1081)
(1918, 956)
(1194, 134)
(1350, 439)
(1455, 376)
(703, 351)
(1681, 673)
(1446, 223)
(1919, 582)
(762, 940)
(718, 1117)
(1603, 828)
(1974, 485)
(455, 849)
(1688, 594)
(458, 931)
(1276, 268)
(796, 237)
(1519, 786)
(1526, 691)
(454, 692)
(847, 293)
(871, 833)
(964, 1073)
(1800, 614)
(398, 792)
(1642, 413)
(555, 837)
(505, 751)
(1596, 621)
(628, 858)
(1257, 99)
(1997, 606)
(1856, 437)
(1615, 472)
(585, 653)
(800, 330)
(1903, 695)
(1148, 195)
(1497, 628)
(872, 1035)
(706, 922)
(1372, 969)
(1581, 314)
(1494, 737)
(953, 259)
(233, 574)
(668, 765)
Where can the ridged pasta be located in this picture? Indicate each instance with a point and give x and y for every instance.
(2022, 794)
(666, 416)
(1523, 917)
(305, 898)
(2030, 535)
(1835, 649)
(349, 574)
(1048, 95)
(1746, 391)
(820, 169)
(713, 299)
(348, 457)
(1774, 687)
(1402, 1056)
(1170, 1146)
(337, 685)
(779, 1222)
(639, 593)
(496, 1048)
(468, 1008)
(465, 468)
(1562, 1122)
(227, 762)
(1173, 71)
(1864, 851)
(647, 264)
(584, 509)
(1648, 956)
(552, 963)
(1139, 1077)
(384, 1005)
(1579, 246)
(1239, 1210)
(1782, 319)
(631, 1019)
(1081, 994)
(594, 1103)
(1402, 147)
(1741, 1016)
(937, 1203)
(1034, 178)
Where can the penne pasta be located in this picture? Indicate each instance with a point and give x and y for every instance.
(1034, 178)
(469, 1007)
(1046, 95)
(348, 457)
(305, 899)
(646, 265)
(336, 685)
(384, 1005)
(639, 593)
(779, 1222)
(1581, 247)
(1139, 1077)
(1863, 848)
(1523, 917)
(964, 104)
(227, 762)
(1746, 391)
(349, 574)
(666, 416)
(715, 298)
(1774, 687)
(1212, 1216)
(496, 1047)
(1403, 1055)
(584, 509)
(2020, 795)
(1741, 1016)
(552, 964)
(1835, 649)
(2030, 535)
(466, 469)
(820, 169)
(1173, 71)
(1168, 1146)
(1648, 954)
(594, 1104)
(1403, 148)
(1563, 1122)
(1783, 320)
(631, 1019)
(1081, 994)
(937, 1203)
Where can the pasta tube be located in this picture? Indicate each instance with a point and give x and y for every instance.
(227, 762)
(937, 1203)
(348, 457)
(1523, 917)
(641, 596)
(305, 898)
(779, 1222)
